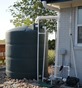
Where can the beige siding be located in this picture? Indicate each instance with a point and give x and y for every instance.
(63, 42)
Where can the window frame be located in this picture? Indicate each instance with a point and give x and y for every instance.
(76, 31)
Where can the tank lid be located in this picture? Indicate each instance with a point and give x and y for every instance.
(22, 28)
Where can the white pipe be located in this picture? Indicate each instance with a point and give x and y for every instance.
(45, 17)
(44, 54)
(37, 20)
(73, 52)
(57, 66)
(71, 40)
(49, 7)
(38, 54)
(57, 43)
(68, 70)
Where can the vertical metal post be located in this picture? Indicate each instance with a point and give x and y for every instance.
(71, 42)
(44, 53)
(57, 41)
(38, 53)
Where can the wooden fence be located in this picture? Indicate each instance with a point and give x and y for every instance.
(2, 54)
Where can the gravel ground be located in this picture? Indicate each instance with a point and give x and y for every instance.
(24, 83)
(15, 83)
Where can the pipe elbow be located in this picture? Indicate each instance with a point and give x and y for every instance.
(44, 3)
(48, 6)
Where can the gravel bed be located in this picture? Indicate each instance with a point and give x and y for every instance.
(15, 83)
(24, 83)
(20, 84)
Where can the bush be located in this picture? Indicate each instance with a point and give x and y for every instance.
(51, 57)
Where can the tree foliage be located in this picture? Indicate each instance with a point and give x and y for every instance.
(24, 12)
(51, 44)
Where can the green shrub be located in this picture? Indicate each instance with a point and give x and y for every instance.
(51, 57)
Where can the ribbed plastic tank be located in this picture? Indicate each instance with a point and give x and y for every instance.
(21, 53)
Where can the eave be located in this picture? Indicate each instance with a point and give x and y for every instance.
(67, 4)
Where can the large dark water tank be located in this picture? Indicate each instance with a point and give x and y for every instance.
(21, 53)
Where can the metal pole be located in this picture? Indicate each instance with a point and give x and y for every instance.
(38, 54)
(73, 57)
(71, 40)
(57, 41)
(44, 53)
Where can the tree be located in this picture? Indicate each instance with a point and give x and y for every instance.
(24, 12)
(51, 44)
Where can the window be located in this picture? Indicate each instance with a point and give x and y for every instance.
(79, 26)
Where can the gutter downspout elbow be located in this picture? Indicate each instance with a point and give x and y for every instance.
(49, 7)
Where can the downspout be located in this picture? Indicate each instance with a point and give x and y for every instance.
(58, 10)
(48, 6)
(71, 43)
(37, 19)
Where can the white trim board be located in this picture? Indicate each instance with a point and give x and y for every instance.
(76, 29)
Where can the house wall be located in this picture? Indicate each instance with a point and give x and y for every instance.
(64, 43)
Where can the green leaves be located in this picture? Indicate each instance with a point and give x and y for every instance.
(24, 10)
(27, 21)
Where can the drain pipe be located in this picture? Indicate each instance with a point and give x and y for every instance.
(48, 6)
(71, 43)
(37, 21)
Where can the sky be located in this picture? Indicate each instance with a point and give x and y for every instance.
(5, 17)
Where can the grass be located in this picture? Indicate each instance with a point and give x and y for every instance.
(2, 62)
(51, 57)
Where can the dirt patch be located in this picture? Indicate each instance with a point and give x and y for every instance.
(50, 70)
